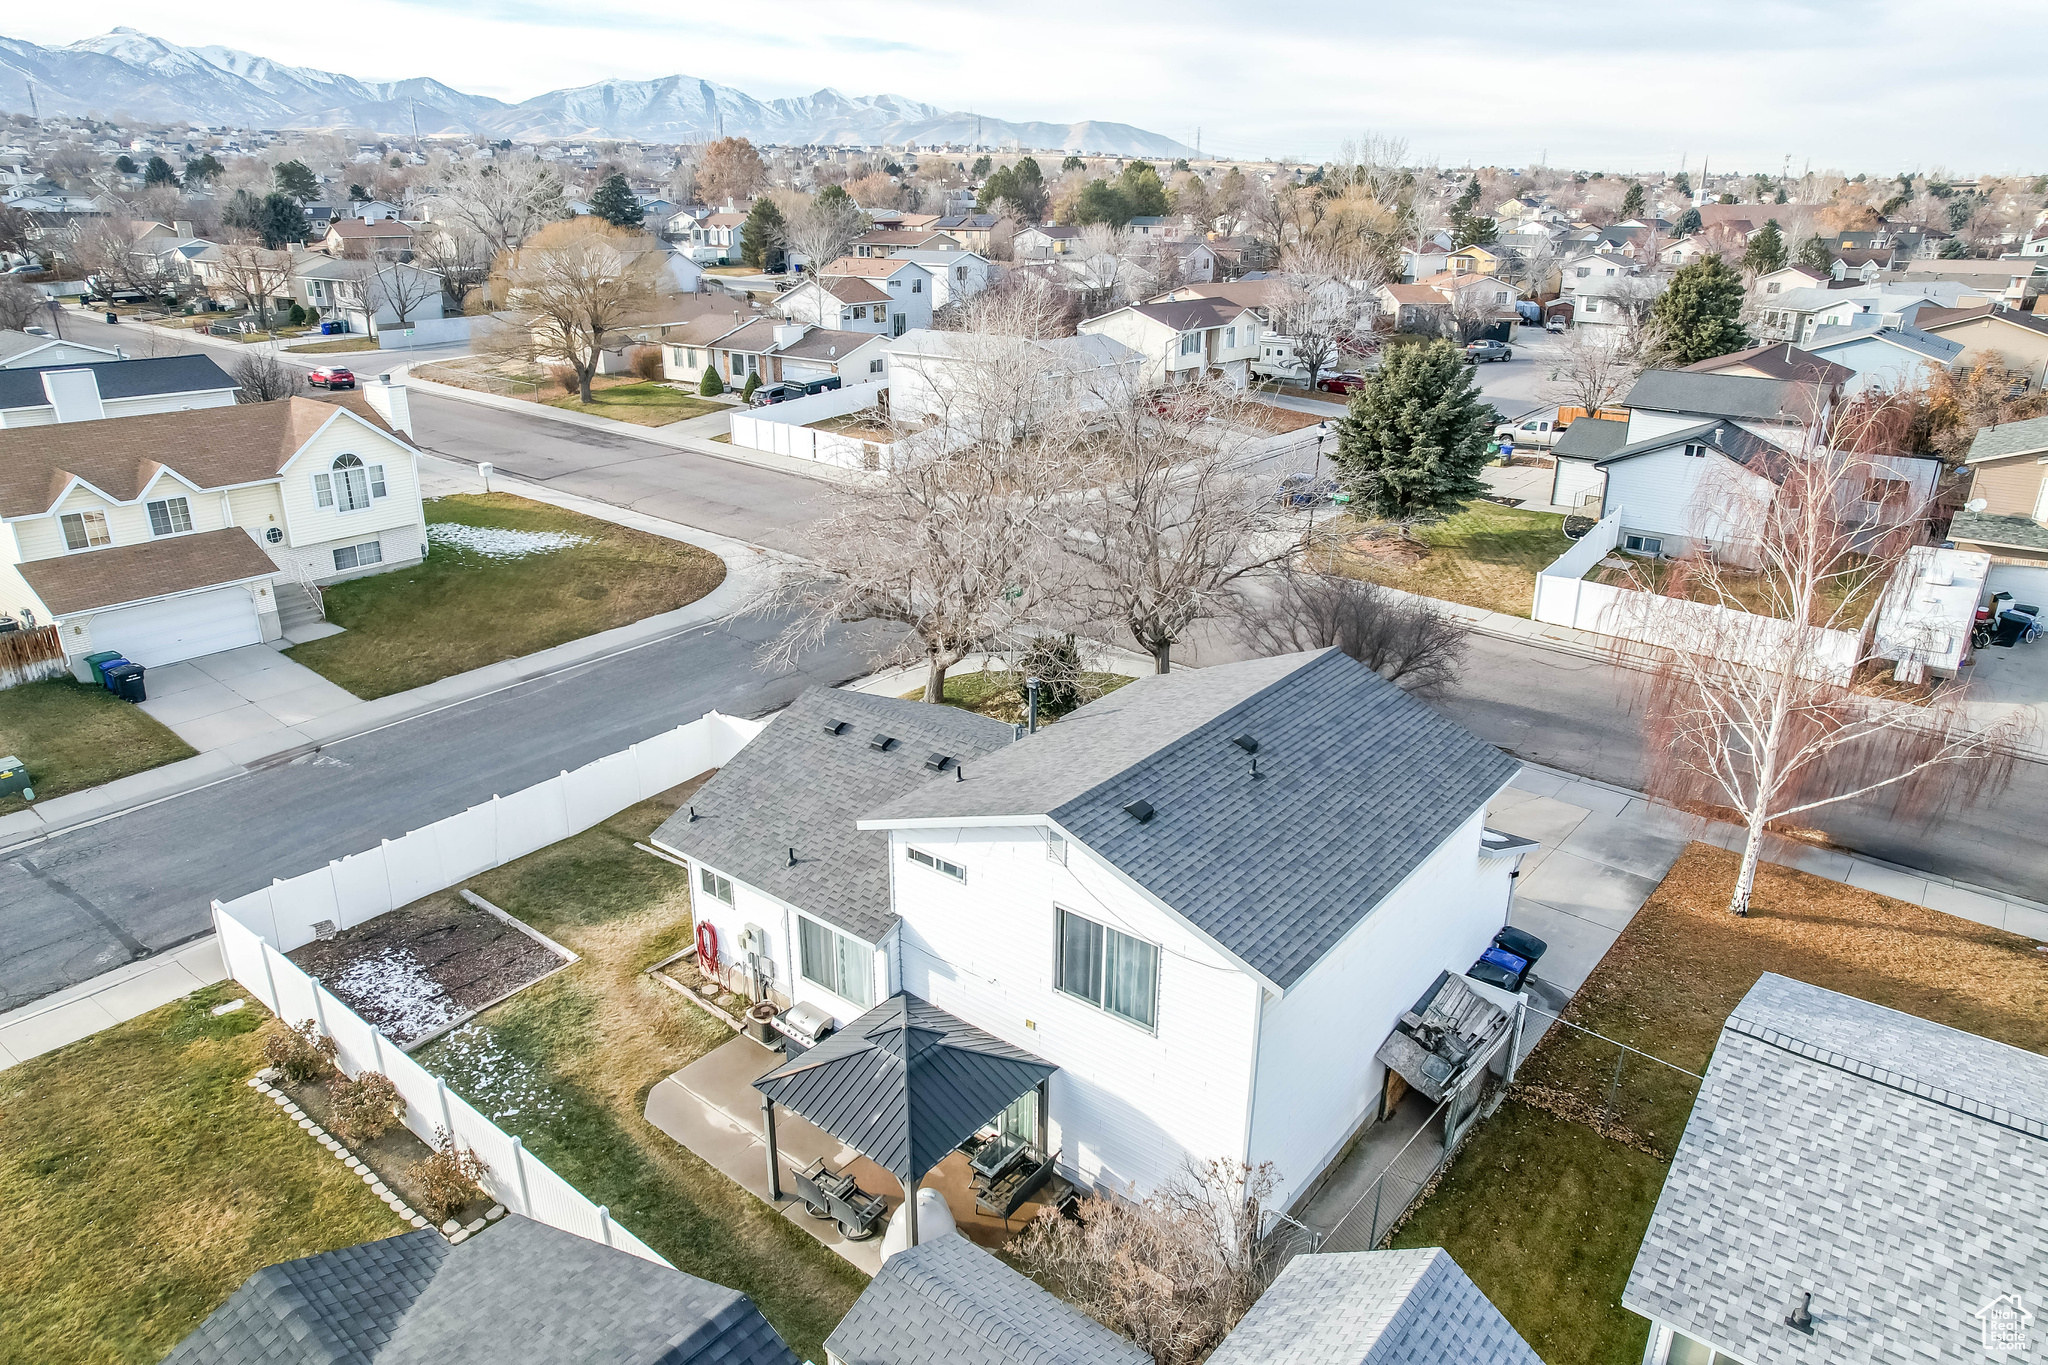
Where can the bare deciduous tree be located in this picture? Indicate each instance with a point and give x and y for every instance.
(263, 378)
(1318, 308)
(459, 255)
(387, 283)
(1592, 372)
(1167, 517)
(572, 286)
(1749, 709)
(822, 231)
(254, 275)
(503, 201)
(19, 305)
(1174, 1272)
(1402, 638)
(730, 171)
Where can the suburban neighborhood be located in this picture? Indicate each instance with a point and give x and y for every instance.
(675, 720)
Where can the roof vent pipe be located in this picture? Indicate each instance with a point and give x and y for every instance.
(1801, 1316)
(792, 857)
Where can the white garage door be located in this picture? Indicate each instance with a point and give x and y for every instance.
(2025, 582)
(181, 627)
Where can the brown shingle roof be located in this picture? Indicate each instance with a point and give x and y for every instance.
(356, 227)
(1779, 360)
(901, 237)
(1934, 319)
(209, 447)
(156, 568)
(873, 267)
(847, 289)
(822, 344)
(1190, 314)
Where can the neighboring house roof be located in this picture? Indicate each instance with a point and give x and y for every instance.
(1889, 1166)
(208, 447)
(1984, 528)
(1189, 315)
(23, 388)
(2029, 437)
(1053, 232)
(1413, 1307)
(795, 786)
(1857, 256)
(1780, 360)
(871, 267)
(978, 222)
(357, 229)
(1358, 783)
(756, 336)
(1936, 319)
(948, 1300)
(847, 289)
(1591, 438)
(1416, 295)
(908, 237)
(1938, 349)
(1746, 448)
(1245, 293)
(13, 344)
(153, 568)
(945, 260)
(724, 220)
(1724, 395)
(520, 1293)
(821, 343)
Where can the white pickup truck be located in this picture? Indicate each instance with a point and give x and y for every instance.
(1536, 430)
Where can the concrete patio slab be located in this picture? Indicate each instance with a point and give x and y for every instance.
(1538, 781)
(302, 704)
(1575, 945)
(225, 700)
(1604, 800)
(1632, 845)
(1591, 890)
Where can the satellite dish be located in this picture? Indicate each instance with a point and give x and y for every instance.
(1975, 505)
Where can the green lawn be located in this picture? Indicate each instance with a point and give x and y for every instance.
(461, 610)
(646, 404)
(577, 1054)
(1546, 1213)
(141, 1182)
(997, 695)
(73, 735)
(336, 347)
(1485, 556)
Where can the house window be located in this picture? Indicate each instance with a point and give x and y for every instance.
(842, 965)
(1190, 343)
(348, 557)
(1697, 452)
(1643, 545)
(1230, 338)
(1056, 848)
(349, 486)
(170, 517)
(860, 311)
(1592, 305)
(714, 886)
(917, 286)
(1108, 968)
(875, 365)
(1771, 288)
(691, 355)
(938, 864)
(1583, 271)
(85, 530)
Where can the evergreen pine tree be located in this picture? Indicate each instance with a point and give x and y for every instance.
(1688, 223)
(614, 202)
(1766, 250)
(296, 179)
(1632, 202)
(1414, 439)
(1700, 315)
(711, 385)
(281, 220)
(761, 235)
(753, 385)
(1813, 252)
(159, 172)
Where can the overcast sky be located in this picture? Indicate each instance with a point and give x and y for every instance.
(1877, 85)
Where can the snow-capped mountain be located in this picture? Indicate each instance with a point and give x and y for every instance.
(128, 71)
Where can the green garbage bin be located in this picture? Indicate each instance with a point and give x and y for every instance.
(14, 779)
(99, 661)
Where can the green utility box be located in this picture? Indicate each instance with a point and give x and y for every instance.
(14, 779)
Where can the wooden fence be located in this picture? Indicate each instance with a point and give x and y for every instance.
(30, 656)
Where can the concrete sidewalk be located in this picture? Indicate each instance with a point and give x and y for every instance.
(108, 999)
(750, 570)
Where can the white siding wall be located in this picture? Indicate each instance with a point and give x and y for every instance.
(1573, 480)
(312, 530)
(779, 921)
(43, 538)
(1317, 1078)
(1149, 339)
(1675, 495)
(1128, 1106)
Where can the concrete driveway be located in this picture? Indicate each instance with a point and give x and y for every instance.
(217, 700)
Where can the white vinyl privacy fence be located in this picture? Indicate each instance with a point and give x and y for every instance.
(257, 930)
(1564, 597)
(785, 428)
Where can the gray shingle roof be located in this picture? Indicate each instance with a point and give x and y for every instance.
(1894, 1168)
(120, 379)
(794, 786)
(948, 1302)
(1746, 448)
(905, 1083)
(2010, 438)
(1985, 528)
(1357, 783)
(522, 1293)
(1412, 1307)
(1723, 395)
(1591, 438)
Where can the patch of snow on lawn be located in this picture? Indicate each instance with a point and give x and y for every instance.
(478, 1068)
(394, 992)
(495, 542)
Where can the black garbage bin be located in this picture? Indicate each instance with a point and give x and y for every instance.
(125, 681)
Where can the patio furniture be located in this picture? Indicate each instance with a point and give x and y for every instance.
(1022, 1177)
(859, 1213)
(818, 1184)
(995, 1156)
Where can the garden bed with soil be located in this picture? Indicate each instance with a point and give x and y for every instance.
(416, 971)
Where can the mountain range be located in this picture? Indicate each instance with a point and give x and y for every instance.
(125, 71)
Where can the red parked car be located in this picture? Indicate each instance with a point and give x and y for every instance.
(332, 377)
(1348, 382)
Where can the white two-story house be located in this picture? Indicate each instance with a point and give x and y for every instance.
(1185, 341)
(165, 536)
(904, 289)
(1207, 898)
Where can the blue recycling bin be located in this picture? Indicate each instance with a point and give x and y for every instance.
(328, 329)
(105, 670)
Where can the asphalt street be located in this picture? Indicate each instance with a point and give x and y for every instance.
(735, 499)
(82, 902)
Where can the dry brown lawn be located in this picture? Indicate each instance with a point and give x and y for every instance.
(1278, 421)
(1485, 556)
